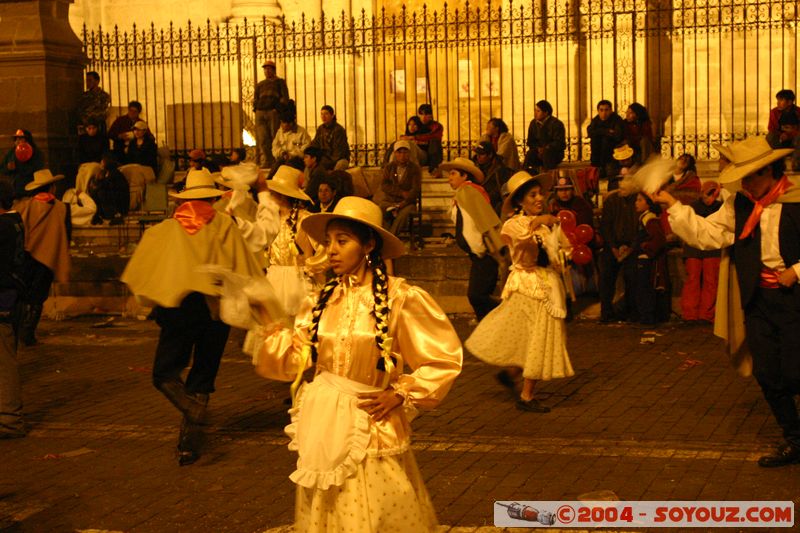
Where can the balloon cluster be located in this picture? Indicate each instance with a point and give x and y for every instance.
(578, 235)
(23, 152)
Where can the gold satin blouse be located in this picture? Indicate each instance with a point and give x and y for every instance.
(427, 348)
(283, 251)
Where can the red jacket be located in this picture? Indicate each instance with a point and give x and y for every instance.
(774, 118)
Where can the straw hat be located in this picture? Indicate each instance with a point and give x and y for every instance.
(199, 184)
(747, 156)
(240, 177)
(519, 179)
(360, 210)
(286, 182)
(465, 165)
(41, 178)
(623, 152)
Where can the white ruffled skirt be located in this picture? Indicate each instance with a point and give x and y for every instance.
(290, 286)
(522, 332)
(341, 486)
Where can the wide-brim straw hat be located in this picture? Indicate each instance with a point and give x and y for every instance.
(465, 165)
(41, 178)
(240, 177)
(747, 156)
(621, 153)
(286, 181)
(199, 185)
(519, 179)
(359, 210)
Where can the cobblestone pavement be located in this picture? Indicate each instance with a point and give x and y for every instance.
(668, 420)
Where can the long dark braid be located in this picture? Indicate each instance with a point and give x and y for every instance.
(316, 315)
(380, 291)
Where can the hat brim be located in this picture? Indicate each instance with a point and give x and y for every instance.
(197, 194)
(32, 186)
(545, 181)
(734, 173)
(623, 155)
(316, 224)
(474, 172)
(285, 190)
(231, 184)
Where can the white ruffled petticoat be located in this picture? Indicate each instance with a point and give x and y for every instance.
(341, 486)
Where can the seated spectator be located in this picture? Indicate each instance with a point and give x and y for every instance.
(142, 149)
(331, 138)
(313, 171)
(121, 131)
(503, 142)
(495, 174)
(401, 186)
(344, 183)
(605, 131)
(699, 293)
(291, 139)
(327, 195)
(566, 197)
(784, 125)
(546, 139)
(238, 156)
(92, 143)
(413, 125)
(82, 208)
(684, 183)
(638, 131)
(110, 191)
(429, 139)
(21, 161)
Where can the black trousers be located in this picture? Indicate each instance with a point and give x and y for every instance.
(188, 331)
(609, 271)
(38, 279)
(772, 325)
(482, 282)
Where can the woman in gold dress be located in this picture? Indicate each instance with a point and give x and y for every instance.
(382, 349)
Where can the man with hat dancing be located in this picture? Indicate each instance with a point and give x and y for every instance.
(270, 93)
(163, 272)
(759, 295)
(47, 223)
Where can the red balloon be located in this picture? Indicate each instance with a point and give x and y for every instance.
(584, 234)
(568, 221)
(571, 237)
(23, 152)
(581, 255)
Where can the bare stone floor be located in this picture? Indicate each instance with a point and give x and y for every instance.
(668, 420)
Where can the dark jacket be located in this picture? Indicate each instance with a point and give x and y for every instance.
(397, 190)
(22, 174)
(604, 136)
(332, 138)
(111, 193)
(146, 154)
(12, 264)
(91, 149)
(619, 222)
(550, 134)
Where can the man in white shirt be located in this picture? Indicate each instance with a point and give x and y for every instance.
(291, 139)
(761, 224)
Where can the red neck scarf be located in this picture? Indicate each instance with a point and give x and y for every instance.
(479, 189)
(774, 193)
(193, 215)
(44, 197)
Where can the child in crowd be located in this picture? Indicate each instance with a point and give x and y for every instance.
(699, 294)
(649, 249)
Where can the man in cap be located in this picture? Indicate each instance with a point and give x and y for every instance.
(401, 186)
(47, 223)
(495, 173)
(121, 131)
(565, 198)
(270, 93)
(164, 273)
(761, 303)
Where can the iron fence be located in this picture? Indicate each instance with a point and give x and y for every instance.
(707, 70)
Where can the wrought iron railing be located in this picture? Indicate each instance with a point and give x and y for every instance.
(707, 70)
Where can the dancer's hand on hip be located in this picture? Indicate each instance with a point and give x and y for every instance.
(380, 404)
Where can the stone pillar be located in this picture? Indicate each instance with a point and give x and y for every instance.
(254, 10)
(41, 76)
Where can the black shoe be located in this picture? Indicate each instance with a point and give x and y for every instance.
(189, 443)
(786, 454)
(505, 379)
(532, 405)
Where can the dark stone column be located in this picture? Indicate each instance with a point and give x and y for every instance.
(41, 76)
